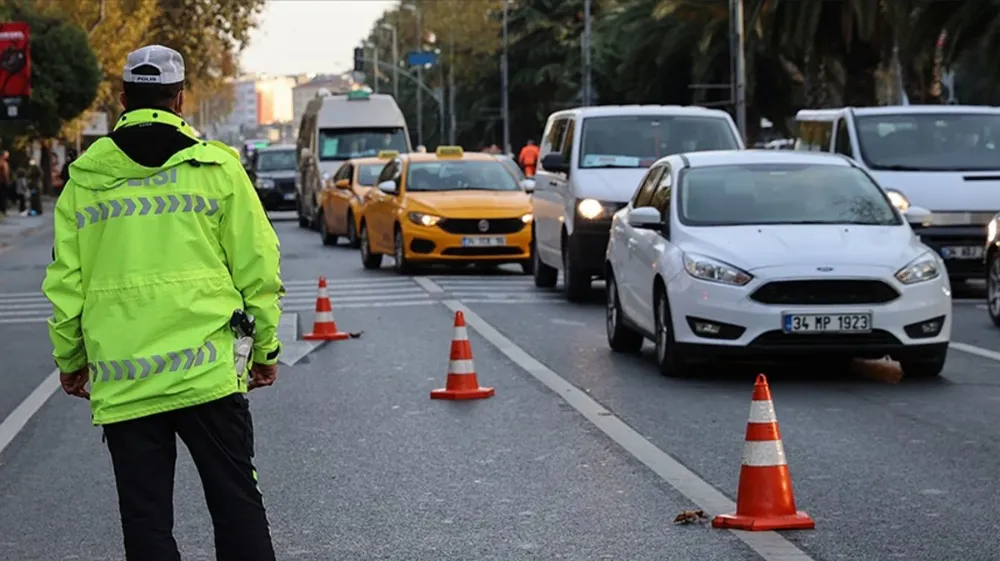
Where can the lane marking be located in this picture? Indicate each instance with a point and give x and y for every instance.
(428, 285)
(974, 350)
(19, 417)
(37, 319)
(514, 301)
(770, 546)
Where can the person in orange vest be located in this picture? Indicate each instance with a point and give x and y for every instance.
(528, 158)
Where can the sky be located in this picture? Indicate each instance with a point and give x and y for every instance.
(299, 36)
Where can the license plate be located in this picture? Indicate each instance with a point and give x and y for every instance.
(827, 323)
(962, 252)
(484, 241)
(289, 196)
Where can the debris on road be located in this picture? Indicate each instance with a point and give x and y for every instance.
(691, 517)
(883, 369)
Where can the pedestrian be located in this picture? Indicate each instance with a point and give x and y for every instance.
(528, 158)
(34, 192)
(22, 191)
(163, 259)
(5, 182)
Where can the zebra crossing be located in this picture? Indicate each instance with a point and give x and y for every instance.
(24, 307)
(496, 290)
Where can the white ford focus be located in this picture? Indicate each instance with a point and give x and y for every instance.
(758, 255)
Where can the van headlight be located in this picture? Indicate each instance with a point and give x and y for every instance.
(991, 229)
(898, 200)
(423, 219)
(708, 269)
(262, 183)
(593, 208)
(923, 268)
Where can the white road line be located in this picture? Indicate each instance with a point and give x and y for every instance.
(332, 293)
(525, 294)
(426, 302)
(36, 319)
(771, 546)
(351, 281)
(428, 285)
(982, 307)
(513, 301)
(19, 417)
(974, 350)
(374, 298)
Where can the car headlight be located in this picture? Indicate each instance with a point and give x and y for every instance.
(527, 218)
(265, 183)
(923, 268)
(991, 229)
(898, 200)
(593, 208)
(424, 219)
(706, 268)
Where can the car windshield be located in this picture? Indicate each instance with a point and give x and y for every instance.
(460, 175)
(512, 167)
(754, 194)
(345, 144)
(638, 141)
(276, 160)
(368, 174)
(930, 142)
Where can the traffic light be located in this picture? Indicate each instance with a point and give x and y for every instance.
(359, 59)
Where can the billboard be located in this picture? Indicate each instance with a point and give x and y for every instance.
(15, 71)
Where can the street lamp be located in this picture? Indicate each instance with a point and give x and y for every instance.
(420, 72)
(395, 58)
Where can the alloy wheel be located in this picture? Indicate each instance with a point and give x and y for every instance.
(611, 311)
(662, 330)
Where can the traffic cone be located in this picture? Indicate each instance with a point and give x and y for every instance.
(764, 500)
(462, 382)
(324, 327)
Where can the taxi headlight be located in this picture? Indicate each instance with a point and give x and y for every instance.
(923, 268)
(262, 183)
(422, 219)
(898, 200)
(527, 218)
(590, 208)
(706, 268)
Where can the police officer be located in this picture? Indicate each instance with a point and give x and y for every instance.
(159, 239)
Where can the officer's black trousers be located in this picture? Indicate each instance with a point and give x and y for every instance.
(219, 436)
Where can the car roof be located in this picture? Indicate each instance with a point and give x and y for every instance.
(622, 110)
(370, 160)
(432, 157)
(831, 114)
(737, 157)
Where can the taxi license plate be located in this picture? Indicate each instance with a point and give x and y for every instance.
(962, 252)
(827, 323)
(484, 241)
(289, 196)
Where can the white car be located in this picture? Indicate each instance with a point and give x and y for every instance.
(758, 255)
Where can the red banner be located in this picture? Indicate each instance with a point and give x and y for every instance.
(15, 71)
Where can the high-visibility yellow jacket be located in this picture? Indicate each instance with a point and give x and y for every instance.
(149, 265)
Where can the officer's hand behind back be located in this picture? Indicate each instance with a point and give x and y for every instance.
(262, 375)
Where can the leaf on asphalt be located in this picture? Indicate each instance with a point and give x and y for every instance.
(356, 335)
(691, 517)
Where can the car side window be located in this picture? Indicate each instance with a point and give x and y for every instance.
(567, 145)
(553, 140)
(644, 194)
(662, 195)
(843, 139)
(342, 172)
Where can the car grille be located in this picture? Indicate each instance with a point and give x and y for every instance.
(876, 338)
(471, 225)
(285, 185)
(825, 292)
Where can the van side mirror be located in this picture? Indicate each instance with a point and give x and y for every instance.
(387, 187)
(555, 162)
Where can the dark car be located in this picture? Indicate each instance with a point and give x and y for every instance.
(273, 171)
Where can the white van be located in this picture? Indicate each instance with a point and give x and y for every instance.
(939, 158)
(336, 128)
(591, 162)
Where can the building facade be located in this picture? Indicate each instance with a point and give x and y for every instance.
(307, 89)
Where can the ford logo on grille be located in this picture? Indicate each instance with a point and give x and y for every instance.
(484, 225)
(824, 269)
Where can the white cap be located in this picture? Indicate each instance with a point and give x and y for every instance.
(167, 66)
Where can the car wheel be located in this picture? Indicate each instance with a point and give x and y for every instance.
(324, 234)
(993, 287)
(402, 266)
(924, 368)
(667, 356)
(545, 276)
(621, 338)
(368, 259)
(352, 232)
(576, 283)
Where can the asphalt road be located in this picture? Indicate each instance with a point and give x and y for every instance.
(581, 454)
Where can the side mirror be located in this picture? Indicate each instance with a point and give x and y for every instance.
(528, 185)
(917, 216)
(342, 184)
(387, 186)
(554, 162)
(646, 218)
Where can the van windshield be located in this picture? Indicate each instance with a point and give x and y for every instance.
(345, 144)
(637, 141)
(930, 141)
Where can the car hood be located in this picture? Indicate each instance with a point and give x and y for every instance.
(278, 174)
(472, 204)
(758, 247)
(611, 185)
(945, 191)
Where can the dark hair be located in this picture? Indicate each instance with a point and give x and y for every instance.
(150, 96)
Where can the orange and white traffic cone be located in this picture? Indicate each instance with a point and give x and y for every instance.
(462, 382)
(764, 500)
(324, 327)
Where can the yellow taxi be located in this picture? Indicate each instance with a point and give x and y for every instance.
(340, 199)
(449, 207)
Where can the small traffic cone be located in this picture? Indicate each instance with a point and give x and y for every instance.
(324, 327)
(764, 500)
(462, 382)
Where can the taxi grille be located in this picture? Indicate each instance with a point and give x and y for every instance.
(825, 292)
(471, 225)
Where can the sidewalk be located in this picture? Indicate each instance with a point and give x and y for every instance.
(13, 226)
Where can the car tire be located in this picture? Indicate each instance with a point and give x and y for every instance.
(401, 265)
(668, 357)
(352, 232)
(328, 238)
(545, 276)
(576, 283)
(369, 260)
(924, 368)
(993, 287)
(621, 338)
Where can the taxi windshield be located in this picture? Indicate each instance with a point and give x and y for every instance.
(754, 194)
(276, 160)
(368, 174)
(460, 175)
(638, 141)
